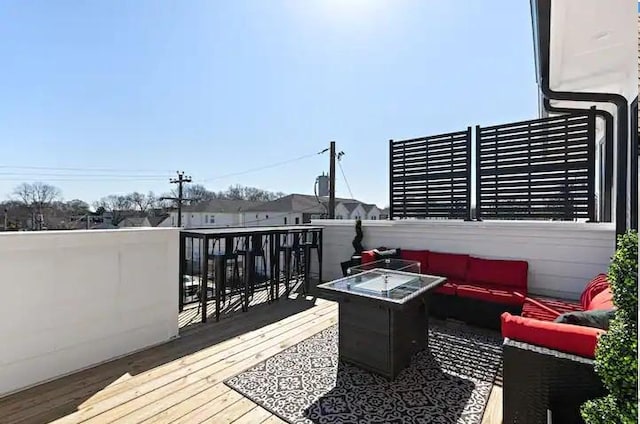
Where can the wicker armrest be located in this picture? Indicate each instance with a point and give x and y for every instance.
(546, 351)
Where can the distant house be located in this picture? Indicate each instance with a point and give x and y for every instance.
(213, 213)
(373, 212)
(156, 220)
(104, 226)
(302, 208)
(350, 210)
(132, 222)
(292, 209)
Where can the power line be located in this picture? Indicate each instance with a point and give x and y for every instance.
(81, 179)
(343, 175)
(273, 165)
(52, 168)
(46, 174)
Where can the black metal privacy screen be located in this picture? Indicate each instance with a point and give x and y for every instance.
(431, 176)
(537, 169)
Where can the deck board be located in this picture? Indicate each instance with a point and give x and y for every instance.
(181, 381)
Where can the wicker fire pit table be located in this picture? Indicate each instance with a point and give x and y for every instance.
(382, 314)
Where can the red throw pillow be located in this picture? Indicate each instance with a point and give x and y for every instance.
(593, 287)
(603, 300)
(367, 256)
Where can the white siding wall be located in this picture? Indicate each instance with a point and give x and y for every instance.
(562, 256)
(358, 212)
(201, 219)
(72, 299)
(259, 219)
(374, 213)
(341, 212)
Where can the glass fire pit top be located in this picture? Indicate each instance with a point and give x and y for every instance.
(385, 284)
(390, 263)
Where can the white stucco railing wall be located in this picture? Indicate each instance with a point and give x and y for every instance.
(73, 299)
(562, 256)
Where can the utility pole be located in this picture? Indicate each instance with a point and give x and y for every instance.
(332, 180)
(181, 180)
(6, 213)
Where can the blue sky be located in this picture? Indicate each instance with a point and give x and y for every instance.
(216, 88)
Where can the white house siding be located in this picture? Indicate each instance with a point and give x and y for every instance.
(73, 299)
(341, 212)
(358, 213)
(264, 218)
(562, 256)
(203, 219)
(373, 214)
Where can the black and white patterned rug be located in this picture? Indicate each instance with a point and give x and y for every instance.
(448, 383)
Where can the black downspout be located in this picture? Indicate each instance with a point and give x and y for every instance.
(544, 31)
(608, 151)
(634, 165)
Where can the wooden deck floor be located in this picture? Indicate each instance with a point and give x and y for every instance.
(181, 381)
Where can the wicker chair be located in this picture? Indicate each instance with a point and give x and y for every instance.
(540, 382)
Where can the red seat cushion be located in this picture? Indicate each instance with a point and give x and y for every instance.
(367, 256)
(449, 265)
(498, 272)
(603, 300)
(567, 338)
(421, 256)
(449, 288)
(534, 307)
(495, 294)
(593, 288)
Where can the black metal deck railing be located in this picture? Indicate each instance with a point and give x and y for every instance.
(219, 264)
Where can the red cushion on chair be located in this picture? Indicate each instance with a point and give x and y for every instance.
(603, 300)
(547, 309)
(449, 288)
(567, 338)
(499, 272)
(450, 265)
(367, 256)
(421, 256)
(593, 287)
(495, 294)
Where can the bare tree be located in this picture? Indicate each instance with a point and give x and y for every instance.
(165, 202)
(24, 192)
(236, 192)
(141, 201)
(115, 204)
(196, 193)
(254, 194)
(37, 197)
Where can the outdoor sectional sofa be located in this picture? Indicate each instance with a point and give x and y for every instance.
(548, 366)
(477, 290)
